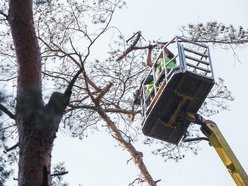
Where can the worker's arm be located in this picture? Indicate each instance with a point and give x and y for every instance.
(149, 57)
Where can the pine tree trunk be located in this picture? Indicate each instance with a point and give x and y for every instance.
(36, 124)
(35, 145)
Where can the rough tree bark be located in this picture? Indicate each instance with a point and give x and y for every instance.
(37, 123)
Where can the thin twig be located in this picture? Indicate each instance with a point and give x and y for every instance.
(11, 148)
(6, 111)
(3, 14)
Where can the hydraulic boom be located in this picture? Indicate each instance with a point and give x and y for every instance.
(217, 140)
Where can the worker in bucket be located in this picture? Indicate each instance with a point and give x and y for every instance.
(166, 57)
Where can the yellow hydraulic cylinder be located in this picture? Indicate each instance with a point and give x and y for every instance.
(217, 140)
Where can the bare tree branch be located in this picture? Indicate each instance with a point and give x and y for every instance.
(131, 48)
(60, 174)
(103, 92)
(6, 111)
(136, 155)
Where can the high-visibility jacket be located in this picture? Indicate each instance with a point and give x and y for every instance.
(169, 66)
(149, 86)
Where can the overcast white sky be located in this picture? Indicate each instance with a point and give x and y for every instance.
(98, 161)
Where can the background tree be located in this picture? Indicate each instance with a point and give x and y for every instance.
(66, 60)
(217, 34)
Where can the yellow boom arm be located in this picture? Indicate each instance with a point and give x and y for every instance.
(217, 140)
